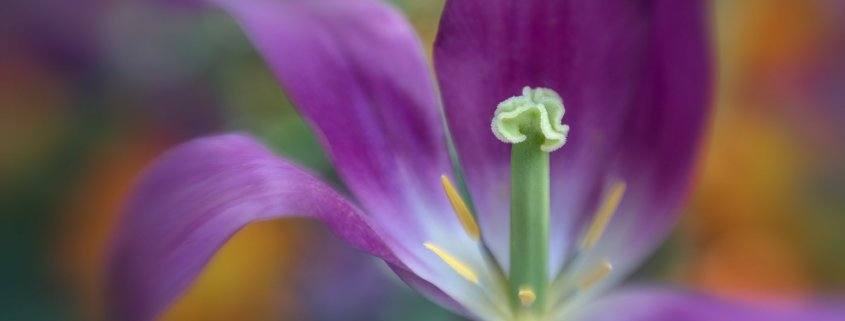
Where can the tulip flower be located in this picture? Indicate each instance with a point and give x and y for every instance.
(561, 200)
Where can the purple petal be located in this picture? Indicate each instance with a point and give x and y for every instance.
(634, 78)
(675, 305)
(194, 198)
(357, 73)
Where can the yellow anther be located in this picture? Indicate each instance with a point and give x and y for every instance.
(596, 276)
(527, 296)
(459, 267)
(605, 213)
(460, 208)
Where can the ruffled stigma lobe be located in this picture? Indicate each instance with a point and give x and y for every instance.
(537, 113)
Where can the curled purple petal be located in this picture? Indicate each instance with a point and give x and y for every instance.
(357, 73)
(193, 199)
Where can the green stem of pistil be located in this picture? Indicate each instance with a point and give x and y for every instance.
(529, 243)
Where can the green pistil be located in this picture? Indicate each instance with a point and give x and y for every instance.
(531, 123)
(529, 222)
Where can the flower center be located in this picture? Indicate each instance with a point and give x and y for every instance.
(568, 283)
(532, 123)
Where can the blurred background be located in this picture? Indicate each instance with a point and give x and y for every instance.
(92, 90)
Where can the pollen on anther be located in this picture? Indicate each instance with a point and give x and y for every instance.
(463, 270)
(461, 209)
(597, 275)
(527, 296)
(605, 213)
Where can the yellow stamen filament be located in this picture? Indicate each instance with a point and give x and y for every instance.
(597, 275)
(605, 213)
(460, 208)
(459, 267)
(527, 296)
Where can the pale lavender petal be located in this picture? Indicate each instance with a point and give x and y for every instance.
(193, 199)
(634, 77)
(653, 304)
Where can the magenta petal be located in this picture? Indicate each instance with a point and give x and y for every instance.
(652, 304)
(633, 75)
(194, 198)
(357, 73)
